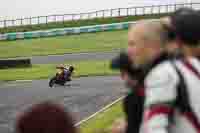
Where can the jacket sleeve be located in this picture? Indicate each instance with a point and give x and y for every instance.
(160, 87)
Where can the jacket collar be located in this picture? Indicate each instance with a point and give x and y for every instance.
(158, 61)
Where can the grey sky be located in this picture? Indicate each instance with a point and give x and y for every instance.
(25, 8)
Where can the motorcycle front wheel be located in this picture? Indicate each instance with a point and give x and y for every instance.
(52, 81)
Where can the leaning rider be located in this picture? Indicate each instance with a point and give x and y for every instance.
(62, 70)
(65, 72)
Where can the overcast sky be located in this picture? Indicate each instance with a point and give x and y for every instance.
(24, 8)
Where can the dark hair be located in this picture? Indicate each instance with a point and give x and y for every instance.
(185, 25)
(171, 35)
(122, 62)
(45, 117)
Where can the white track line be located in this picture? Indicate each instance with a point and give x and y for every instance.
(101, 110)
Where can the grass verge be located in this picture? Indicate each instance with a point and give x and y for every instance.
(83, 68)
(96, 42)
(103, 121)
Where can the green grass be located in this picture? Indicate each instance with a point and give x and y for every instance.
(101, 41)
(83, 68)
(88, 42)
(78, 23)
(103, 121)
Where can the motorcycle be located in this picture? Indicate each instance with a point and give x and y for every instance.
(59, 79)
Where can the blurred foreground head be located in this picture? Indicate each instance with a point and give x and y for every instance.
(146, 41)
(185, 23)
(45, 117)
(129, 73)
(122, 62)
(173, 48)
(182, 30)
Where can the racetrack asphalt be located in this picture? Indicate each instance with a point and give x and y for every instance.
(84, 97)
(54, 59)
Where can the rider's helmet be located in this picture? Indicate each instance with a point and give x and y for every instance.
(61, 66)
(71, 68)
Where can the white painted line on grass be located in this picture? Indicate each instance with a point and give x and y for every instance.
(101, 110)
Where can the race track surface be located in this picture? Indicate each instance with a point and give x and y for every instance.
(54, 59)
(84, 97)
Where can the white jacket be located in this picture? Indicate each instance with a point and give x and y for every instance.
(161, 92)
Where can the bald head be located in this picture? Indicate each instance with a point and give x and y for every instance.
(151, 31)
(146, 39)
(166, 21)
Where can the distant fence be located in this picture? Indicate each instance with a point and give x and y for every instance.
(118, 12)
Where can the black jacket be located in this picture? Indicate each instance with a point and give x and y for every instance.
(133, 108)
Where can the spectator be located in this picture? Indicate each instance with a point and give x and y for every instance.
(45, 117)
(168, 25)
(172, 87)
(146, 45)
(131, 78)
(188, 34)
(133, 102)
(145, 49)
(134, 110)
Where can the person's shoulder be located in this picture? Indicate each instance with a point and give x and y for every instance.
(163, 72)
(160, 84)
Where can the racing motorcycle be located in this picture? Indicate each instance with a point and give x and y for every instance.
(62, 76)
